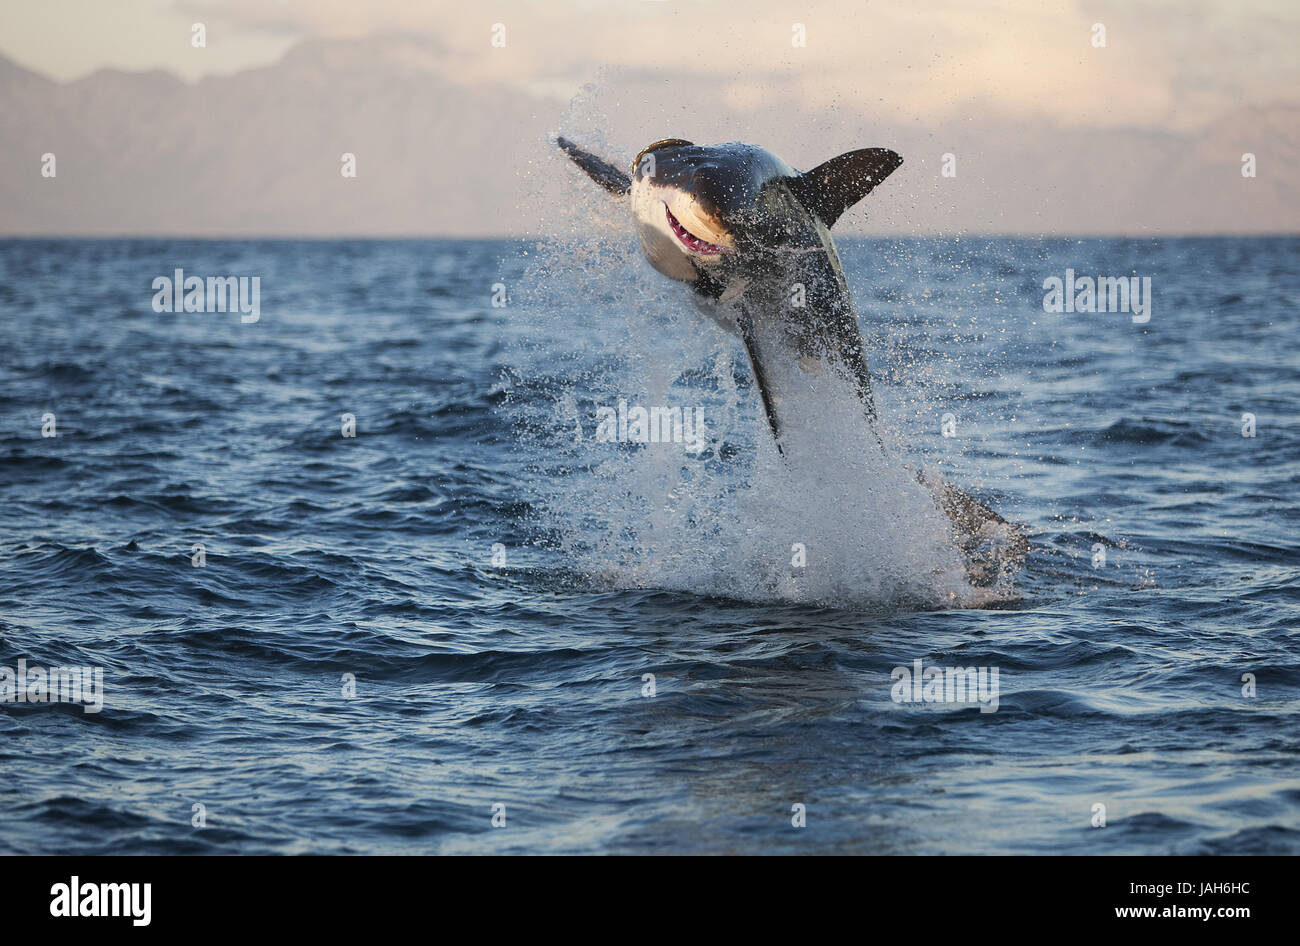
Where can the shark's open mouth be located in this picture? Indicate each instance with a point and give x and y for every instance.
(690, 240)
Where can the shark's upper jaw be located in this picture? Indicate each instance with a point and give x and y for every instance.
(690, 240)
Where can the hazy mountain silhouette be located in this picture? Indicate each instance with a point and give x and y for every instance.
(259, 153)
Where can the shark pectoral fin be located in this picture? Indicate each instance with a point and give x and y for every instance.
(598, 169)
(833, 187)
(745, 324)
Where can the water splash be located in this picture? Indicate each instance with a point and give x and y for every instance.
(835, 521)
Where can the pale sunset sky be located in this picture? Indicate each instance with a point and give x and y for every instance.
(1168, 63)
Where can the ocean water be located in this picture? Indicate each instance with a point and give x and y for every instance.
(468, 604)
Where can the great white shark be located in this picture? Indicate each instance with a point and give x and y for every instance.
(751, 236)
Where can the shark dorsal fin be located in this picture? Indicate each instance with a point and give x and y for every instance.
(836, 185)
(598, 169)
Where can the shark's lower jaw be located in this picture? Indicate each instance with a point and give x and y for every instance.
(690, 240)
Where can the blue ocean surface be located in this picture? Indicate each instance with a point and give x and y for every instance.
(476, 626)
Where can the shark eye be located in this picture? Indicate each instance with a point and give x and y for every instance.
(662, 143)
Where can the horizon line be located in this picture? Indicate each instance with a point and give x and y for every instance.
(486, 238)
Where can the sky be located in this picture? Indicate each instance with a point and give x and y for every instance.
(1063, 116)
(1172, 64)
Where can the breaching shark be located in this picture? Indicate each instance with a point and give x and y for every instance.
(751, 236)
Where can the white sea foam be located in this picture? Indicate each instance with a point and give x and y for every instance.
(595, 323)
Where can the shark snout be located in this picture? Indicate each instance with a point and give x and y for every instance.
(697, 206)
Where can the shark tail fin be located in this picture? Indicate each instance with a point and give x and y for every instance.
(598, 169)
(836, 185)
(990, 544)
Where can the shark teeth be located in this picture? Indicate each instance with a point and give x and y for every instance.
(690, 240)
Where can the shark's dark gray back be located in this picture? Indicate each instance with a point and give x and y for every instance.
(795, 292)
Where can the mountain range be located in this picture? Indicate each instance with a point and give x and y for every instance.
(259, 153)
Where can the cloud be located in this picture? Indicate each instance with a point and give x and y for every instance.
(1165, 63)
(1172, 64)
